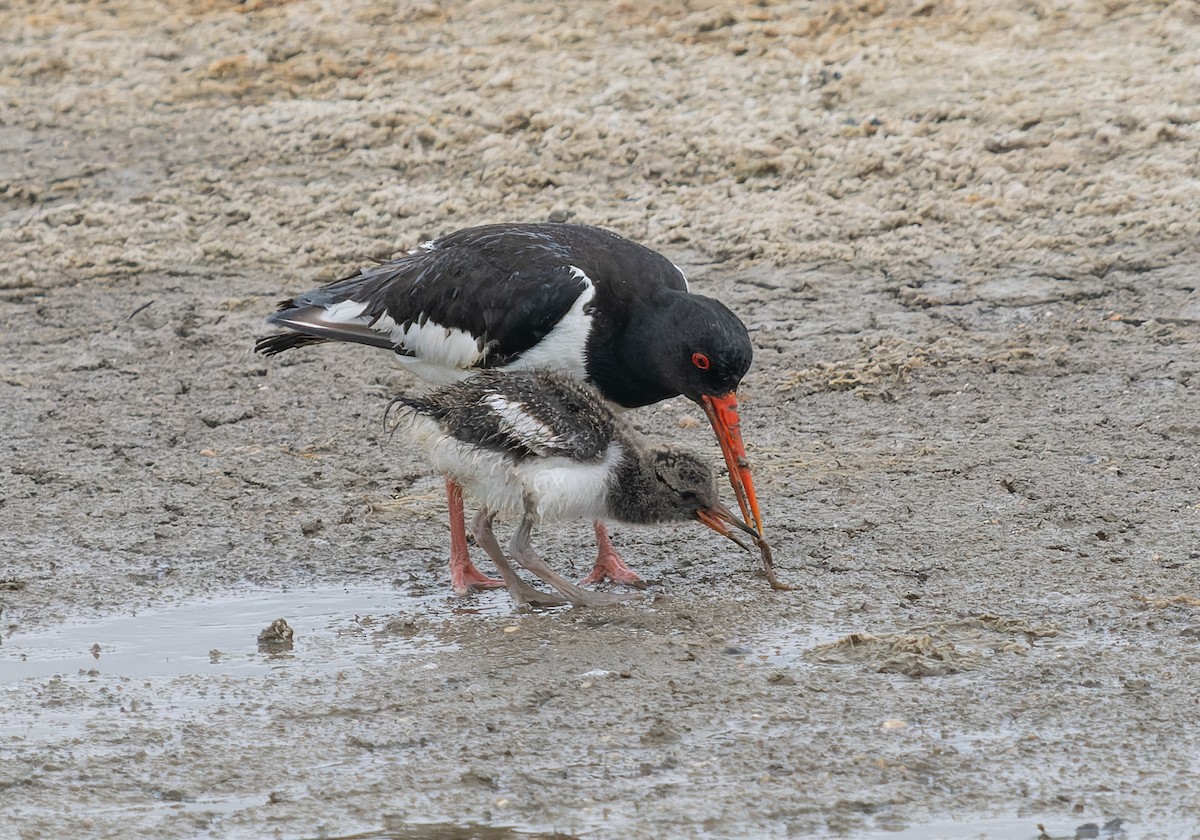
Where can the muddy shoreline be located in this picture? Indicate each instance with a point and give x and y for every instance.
(965, 244)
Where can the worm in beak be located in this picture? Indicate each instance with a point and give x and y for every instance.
(719, 518)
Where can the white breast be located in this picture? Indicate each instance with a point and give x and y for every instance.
(557, 488)
(564, 347)
(564, 489)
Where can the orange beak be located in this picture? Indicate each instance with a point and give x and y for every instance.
(723, 414)
(719, 518)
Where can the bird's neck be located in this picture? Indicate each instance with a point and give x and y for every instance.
(635, 494)
(624, 355)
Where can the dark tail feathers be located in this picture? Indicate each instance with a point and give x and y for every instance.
(273, 345)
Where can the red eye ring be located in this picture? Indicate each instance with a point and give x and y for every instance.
(701, 361)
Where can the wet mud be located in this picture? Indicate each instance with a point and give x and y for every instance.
(965, 241)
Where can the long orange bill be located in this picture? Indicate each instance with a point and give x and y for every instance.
(723, 414)
(719, 518)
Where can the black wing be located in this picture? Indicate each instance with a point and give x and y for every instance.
(533, 413)
(504, 286)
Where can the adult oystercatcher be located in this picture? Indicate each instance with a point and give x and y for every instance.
(537, 444)
(576, 298)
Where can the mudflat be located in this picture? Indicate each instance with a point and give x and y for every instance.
(965, 238)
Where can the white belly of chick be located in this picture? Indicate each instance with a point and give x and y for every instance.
(557, 488)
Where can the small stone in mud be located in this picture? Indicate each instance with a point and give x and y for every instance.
(405, 627)
(660, 732)
(476, 777)
(276, 638)
(1135, 685)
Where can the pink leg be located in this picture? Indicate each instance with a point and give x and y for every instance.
(464, 577)
(609, 564)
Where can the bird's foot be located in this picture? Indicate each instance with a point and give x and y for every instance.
(465, 578)
(525, 596)
(524, 554)
(609, 566)
(584, 598)
(575, 595)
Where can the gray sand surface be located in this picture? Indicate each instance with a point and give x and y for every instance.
(965, 237)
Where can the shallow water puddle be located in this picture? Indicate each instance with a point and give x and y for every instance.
(221, 636)
(452, 831)
(786, 647)
(995, 829)
(917, 651)
(1032, 828)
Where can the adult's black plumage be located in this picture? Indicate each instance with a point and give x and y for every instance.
(575, 298)
(506, 289)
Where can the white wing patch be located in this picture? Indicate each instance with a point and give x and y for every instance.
(686, 286)
(564, 347)
(433, 343)
(520, 424)
(440, 352)
(428, 245)
(346, 312)
(443, 354)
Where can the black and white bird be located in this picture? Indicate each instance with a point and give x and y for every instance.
(539, 445)
(600, 308)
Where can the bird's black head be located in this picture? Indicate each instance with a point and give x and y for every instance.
(669, 344)
(704, 348)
